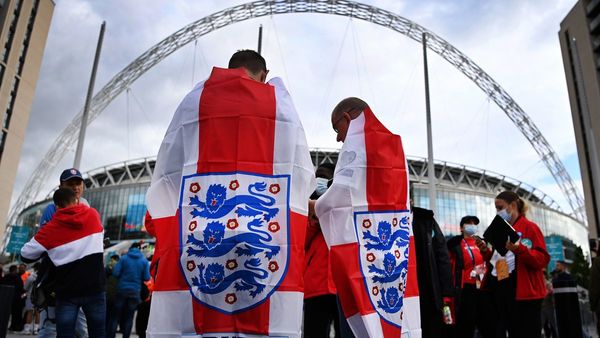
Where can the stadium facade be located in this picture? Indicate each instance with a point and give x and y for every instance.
(117, 192)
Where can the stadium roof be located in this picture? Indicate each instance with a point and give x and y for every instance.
(448, 174)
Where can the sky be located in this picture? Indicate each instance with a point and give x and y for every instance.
(322, 59)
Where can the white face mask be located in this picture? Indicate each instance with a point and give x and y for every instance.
(321, 185)
(504, 214)
(470, 229)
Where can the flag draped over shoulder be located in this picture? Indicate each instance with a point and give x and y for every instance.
(228, 201)
(367, 224)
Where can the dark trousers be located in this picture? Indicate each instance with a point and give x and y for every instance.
(503, 296)
(94, 308)
(319, 313)
(124, 308)
(598, 323)
(520, 318)
(16, 315)
(141, 321)
(345, 330)
(526, 319)
(475, 311)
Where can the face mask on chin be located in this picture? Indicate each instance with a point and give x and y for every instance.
(504, 214)
(321, 186)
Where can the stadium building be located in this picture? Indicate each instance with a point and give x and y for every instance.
(117, 191)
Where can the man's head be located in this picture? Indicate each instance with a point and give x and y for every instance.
(72, 179)
(561, 266)
(22, 268)
(64, 197)
(324, 176)
(347, 110)
(254, 64)
(12, 269)
(135, 245)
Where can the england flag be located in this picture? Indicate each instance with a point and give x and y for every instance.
(228, 201)
(366, 221)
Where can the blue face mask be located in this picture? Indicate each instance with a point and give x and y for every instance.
(470, 229)
(504, 214)
(321, 185)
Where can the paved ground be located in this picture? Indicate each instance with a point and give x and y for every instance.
(18, 335)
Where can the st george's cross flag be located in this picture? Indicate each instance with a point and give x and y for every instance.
(366, 221)
(228, 202)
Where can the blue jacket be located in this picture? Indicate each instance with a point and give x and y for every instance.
(131, 270)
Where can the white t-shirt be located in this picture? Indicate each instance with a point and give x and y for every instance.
(510, 260)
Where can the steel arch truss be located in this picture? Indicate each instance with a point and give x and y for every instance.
(256, 9)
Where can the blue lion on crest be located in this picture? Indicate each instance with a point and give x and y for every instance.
(215, 245)
(390, 302)
(385, 238)
(212, 280)
(390, 272)
(216, 205)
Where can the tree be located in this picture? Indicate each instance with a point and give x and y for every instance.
(580, 268)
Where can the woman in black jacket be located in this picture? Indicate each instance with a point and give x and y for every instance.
(473, 305)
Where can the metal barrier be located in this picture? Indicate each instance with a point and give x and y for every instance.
(588, 318)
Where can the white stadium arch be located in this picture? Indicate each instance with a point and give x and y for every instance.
(256, 9)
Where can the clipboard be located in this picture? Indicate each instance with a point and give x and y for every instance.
(498, 233)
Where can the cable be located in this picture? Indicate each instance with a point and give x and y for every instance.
(287, 78)
(206, 66)
(487, 131)
(194, 62)
(135, 99)
(364, 65)
(528, 169)
(354, 43)
(402, 95)
(334, 71)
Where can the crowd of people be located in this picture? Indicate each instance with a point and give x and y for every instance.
(66, 293)
(466, 285)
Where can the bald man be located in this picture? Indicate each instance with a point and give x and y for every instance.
(347, 110)
(433, 266)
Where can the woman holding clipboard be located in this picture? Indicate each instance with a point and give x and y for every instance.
(516, 279)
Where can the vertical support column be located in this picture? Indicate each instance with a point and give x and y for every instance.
(88, 98)
(259, 39)
(430, 165)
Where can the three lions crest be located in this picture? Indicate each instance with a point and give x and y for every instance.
(383, 240)
(234, 237)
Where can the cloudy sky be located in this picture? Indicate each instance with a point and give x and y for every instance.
(322, 59)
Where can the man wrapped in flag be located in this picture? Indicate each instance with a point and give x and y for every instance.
(366, 220)
(228, 202)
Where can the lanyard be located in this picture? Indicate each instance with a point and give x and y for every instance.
(470, 252)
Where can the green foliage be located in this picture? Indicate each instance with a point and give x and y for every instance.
(580, 268)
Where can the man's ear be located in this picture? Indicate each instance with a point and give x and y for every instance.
(263, 77)
(348, 117)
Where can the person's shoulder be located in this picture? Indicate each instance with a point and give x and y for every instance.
(84, 201)
(454, 241)
(529, 224)
(50, 208)
(89, 211)
(47, 214)
(422, 213)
